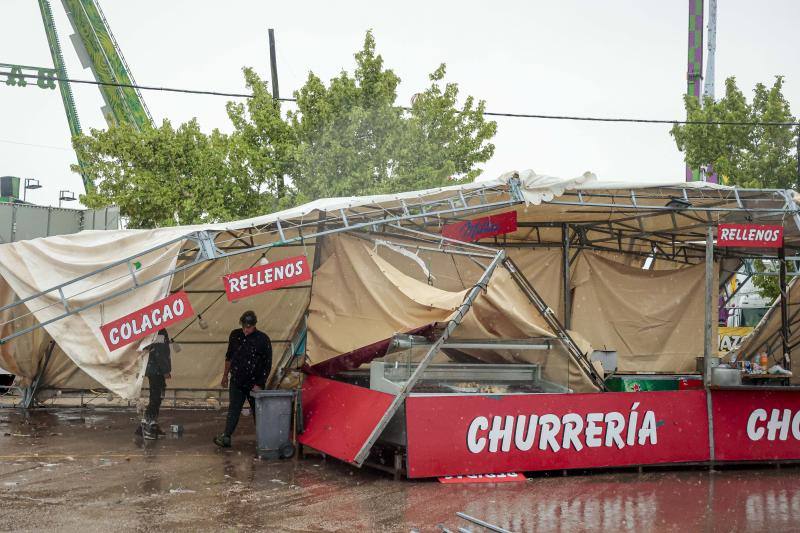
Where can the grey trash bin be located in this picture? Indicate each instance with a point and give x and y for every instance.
(274, 423)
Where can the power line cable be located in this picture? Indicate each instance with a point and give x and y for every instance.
(486, 113)
(51, 147)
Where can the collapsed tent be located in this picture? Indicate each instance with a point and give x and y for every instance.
(360, 298)
(619, 265)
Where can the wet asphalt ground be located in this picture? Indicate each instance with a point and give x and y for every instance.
(84, 470)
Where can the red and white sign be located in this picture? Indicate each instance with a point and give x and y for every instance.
(480, 228)
(267, 277)
(754, 425)
(510, 477)
(451, 435)
(146, 321)
(750, 236)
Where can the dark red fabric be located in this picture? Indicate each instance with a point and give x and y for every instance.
(353, 359)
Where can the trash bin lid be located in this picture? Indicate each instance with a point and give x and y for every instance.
(271, 393)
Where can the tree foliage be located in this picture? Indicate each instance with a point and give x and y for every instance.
(166, 176)
(749, 156)
(348, 137)
(768, 286)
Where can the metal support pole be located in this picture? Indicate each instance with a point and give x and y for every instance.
(482, 523)
(13, 222)
(29, 395)
(709, 325)
(454, 322)
(565, 268)
(787, 361)
(709, 341)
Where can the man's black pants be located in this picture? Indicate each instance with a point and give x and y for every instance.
(157, 386)
(236, 398)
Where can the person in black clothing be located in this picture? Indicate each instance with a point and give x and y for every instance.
(158, 371)
(248, 362)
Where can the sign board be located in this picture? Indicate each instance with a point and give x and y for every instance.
(750, 236)
(751, 425)
(510, 477)
(146, 321)
(480, 228)
(730, 338)
(459, 434)
(262, 278)
(492, 438)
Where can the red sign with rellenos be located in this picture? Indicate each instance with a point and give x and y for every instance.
(750, 236)
(262, 278)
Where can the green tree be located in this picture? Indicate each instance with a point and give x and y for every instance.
(165, 176)
(349, 137)
(263, 144)
(768, 286)
(443, 141)
(748, 156)
(354, 138)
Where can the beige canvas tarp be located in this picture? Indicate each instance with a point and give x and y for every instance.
(202, 358)
(31, 266)
(359, 298)
(652, 318)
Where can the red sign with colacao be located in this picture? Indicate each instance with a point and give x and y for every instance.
(754, 425)
(481, 228)
(147, 321)
(451, 435)
(267, 277)
(750, 236)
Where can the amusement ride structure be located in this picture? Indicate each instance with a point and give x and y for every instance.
(97, 50)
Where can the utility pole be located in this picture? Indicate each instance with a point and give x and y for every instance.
(276, 95)
(273, 65)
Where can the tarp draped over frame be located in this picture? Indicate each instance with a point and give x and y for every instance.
(32, 266)
(359, 298)
(29, 267)
(202, 358)
(652, 318)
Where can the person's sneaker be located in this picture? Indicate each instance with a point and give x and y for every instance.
(223, 441)
(148, 431)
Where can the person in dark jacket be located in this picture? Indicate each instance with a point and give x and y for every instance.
(158, 371)
(247, 362)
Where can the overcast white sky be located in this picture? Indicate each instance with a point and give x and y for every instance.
(572, 57)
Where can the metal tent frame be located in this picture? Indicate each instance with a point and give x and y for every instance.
(620, 225)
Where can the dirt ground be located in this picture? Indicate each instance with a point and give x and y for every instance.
(84, 470)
